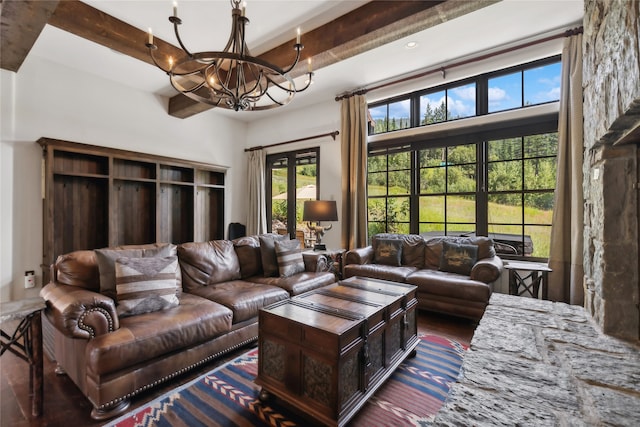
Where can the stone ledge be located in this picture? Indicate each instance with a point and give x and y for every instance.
(534, 362)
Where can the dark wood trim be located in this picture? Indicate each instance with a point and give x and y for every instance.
(127, 154)
(22, 22)
(92, 24)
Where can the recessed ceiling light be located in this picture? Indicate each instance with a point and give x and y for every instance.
(411, 45)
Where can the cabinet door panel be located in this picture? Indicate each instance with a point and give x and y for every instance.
(134, 217)
(175, 213)
(210, 214)
(80, 214)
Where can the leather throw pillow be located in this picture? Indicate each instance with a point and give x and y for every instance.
(145, 285)
(458, 258)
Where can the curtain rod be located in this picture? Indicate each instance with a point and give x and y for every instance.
(260, 147)
(567, 33)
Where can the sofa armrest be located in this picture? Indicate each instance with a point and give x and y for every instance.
(487, 270)
(359, 256)
(315, 262)
(78, 312)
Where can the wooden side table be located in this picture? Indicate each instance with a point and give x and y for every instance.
(26, 342)
(538, 276)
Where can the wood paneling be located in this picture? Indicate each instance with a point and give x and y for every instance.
(79, 225)
(133, 214)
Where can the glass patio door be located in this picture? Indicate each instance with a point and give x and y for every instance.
(292, 178)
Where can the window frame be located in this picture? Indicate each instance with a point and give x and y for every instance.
(292, 163)
(481, 82)
(533, 126)
(538, 121)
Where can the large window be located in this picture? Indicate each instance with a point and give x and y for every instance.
(525, 85)
(521, 178)
(497, 181)
(447, 194)
(391, 115)
(293, 178)
(507, 195)
(389, 189)
(451, 103)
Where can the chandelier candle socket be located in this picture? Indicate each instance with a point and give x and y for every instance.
(231, 78)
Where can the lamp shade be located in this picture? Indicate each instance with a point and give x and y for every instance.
(320, 210)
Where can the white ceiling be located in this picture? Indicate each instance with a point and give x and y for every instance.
(206, 26)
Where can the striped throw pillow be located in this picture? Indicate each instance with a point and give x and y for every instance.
(289, 257)
(144, 285)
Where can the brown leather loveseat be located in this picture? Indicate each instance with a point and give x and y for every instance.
(122, 320)
(454, 275)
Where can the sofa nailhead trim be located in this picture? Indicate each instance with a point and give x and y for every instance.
(92, 332)
(175, 374)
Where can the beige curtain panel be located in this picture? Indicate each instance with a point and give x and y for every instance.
(353, 137)
(566, 257)
(256, 212)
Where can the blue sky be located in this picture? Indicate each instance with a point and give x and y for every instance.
(542, 84)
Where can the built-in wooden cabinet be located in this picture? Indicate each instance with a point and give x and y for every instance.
(96, 197)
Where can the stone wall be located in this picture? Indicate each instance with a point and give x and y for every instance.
(611, 82)
(540, 363)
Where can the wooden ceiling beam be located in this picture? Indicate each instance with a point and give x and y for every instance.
(368, 27)
(21, 22)
(332, 42)
(92, 24)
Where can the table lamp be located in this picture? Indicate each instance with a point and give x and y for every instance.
(316, 211)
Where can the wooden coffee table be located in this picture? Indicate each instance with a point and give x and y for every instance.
(327, 351)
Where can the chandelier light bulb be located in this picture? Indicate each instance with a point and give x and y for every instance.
(175, 9)
(298, 36)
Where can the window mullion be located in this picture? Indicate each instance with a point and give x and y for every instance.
(414, 199)
(482, 198)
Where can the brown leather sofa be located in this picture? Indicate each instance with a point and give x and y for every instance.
(464, 294)
(220, 287)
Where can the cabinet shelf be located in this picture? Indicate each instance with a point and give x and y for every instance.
(198, 186)
(184, 184)
(81, 175)
(124, 178)
(97, 197)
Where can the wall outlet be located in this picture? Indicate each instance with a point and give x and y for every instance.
(29, 279)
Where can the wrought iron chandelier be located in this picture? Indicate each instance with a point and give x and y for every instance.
(231, 78)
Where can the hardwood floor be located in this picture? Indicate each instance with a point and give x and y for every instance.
(64, 405)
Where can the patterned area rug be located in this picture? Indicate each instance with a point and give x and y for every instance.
(227, 395)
